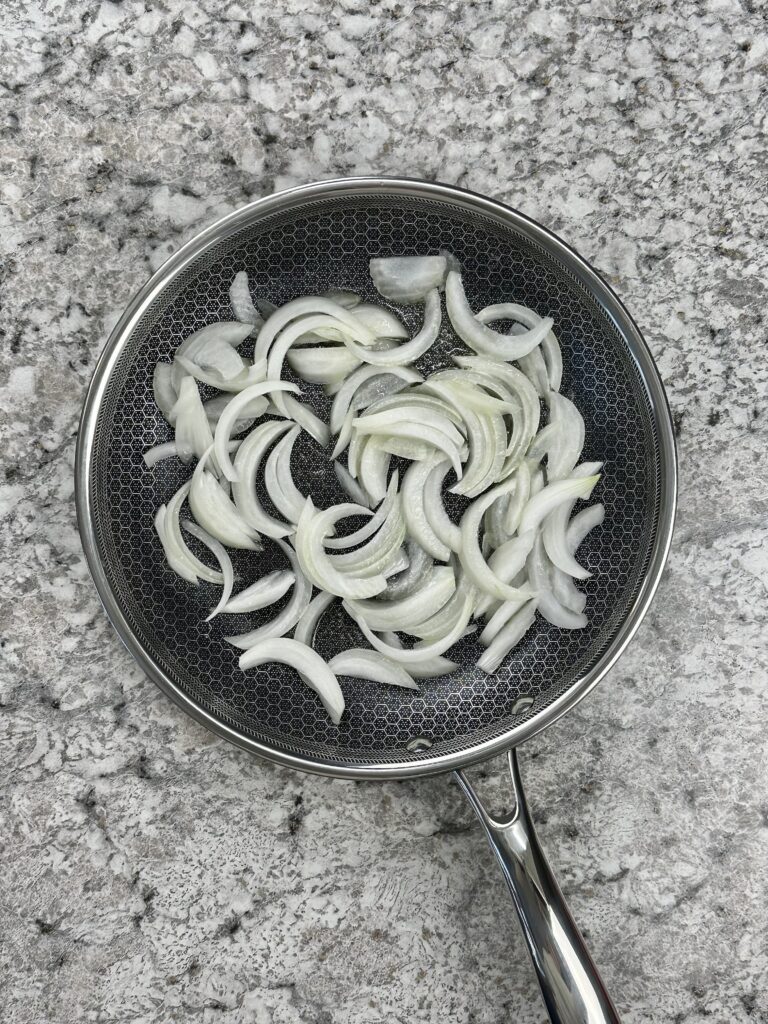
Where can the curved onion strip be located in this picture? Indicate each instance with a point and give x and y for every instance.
(345, 436)
(442, 620)
(380, 321)
(310, 666)
(230, 414)
(519, 499)
(407, 448)
(283, 342)
(306, 419)
(553, 359)
(535, 369)
(177, 546)
(179, 565)
(209, 338)
(215, 512)
(419, 428)
(374, 523)
(373, 469)
(415, 510)
(477, 336)
(265, 591)
(429, 668)
(286, 619)
(159, 452)
(411, 610)
(351, 487)
(472, 561)
(356, 445)
(359, 663)
(380, 422)
(381, 550)
(507, 638)
(164, 391)
(500, 618)
(555, 526)
(486, 457)
(566, 592)
(519, 386)
(407, 279)
(440, 523)
(252, 374)
(420, 400)
(571, 423)
(214, 407)
(307, 624)
(553, 495)
(507, 561)
(342, 297)
(322, 365)
(283, 492)
(550, 349)
(416, 654)
(241, 302)
(345, 396)
(420, 568)
(461, 392)
(219, 552)
(411, 350)
(193, 431)
(582, 523)
(538, 566)
(247, 462)
(311, 531)
(311, 304)
(494, 534)
(544, 442)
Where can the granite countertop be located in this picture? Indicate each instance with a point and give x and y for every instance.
(153, 873)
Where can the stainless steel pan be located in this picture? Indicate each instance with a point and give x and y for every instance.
(306, 240)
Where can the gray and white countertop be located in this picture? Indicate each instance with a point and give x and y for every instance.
(153, 873)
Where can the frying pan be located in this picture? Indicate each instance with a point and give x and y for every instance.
(303, 241)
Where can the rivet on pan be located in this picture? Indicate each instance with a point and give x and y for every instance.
(418, 743)
(521, 704)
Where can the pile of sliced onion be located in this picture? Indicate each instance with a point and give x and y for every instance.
(392, 555)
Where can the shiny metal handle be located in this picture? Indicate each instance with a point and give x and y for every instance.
(570, 984)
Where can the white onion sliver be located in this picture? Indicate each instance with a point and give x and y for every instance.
(538, 566)
(360, 663)
(481, 338)
(310, 666)
(408, 611)
(230, 415)
(311, 530)
(507, 638)
(264, 592)
(472, 561)
(179, 564)
(219, 552)
(278, 480)
(428, 668)
(351, 487)
(286, 619)
(307, 624)
(367, 530)
(193, 431)
(247, 462)
(240, 299)
(554, 494)
(214, 511)
(164, 391)
(412, 350)
(407, 279)
(177, 545)
(152, 456)
(415, 654)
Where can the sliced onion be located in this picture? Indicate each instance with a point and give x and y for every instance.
(342, 297)
(351, 540)
(438, 624)
(402, 355)
(179, 564)
(582, 523)
(177, 551)
(307, 420)
(420, 567)
(501, 616)
(487, 443)
(545, 441)
(419, 653)
(421, 401)
(229, 416)
(477, 336)
(422, 425)
(508, 637)
(322, 365)
(472, 561)
(247, 462)
(409, 448)
(539, 566)
(519, 499)
(219, 552)
(251, 374)
(311, 530)
(240, 299)
(564, 456)
(380, 321)
(214, 511)
(164, 391)
(311, 304)
(307, 624)
(214, 407)
(359, 663)
(409, 611)
(160, 451)
(286, 619)
(447, 532)
(555, 526)
(553, 495)
(193, 431)
(344, 438)
(345, 396)
(535, 369)
(407, 279)
(310, 666)
(415, 510)
(262, 593)
(382, 553)
(428, 668)
(283, 492)
(199, 346)
(373, 470)
(351, 487)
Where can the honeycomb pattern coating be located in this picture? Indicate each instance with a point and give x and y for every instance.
(328, 244)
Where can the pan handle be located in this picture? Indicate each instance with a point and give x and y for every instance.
(572, 989)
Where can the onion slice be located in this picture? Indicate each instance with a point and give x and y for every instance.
(428, 668)
(311, 530)
(477, 336)
(265, 591)
(411, 610)
(410, 656)
(219, 552)
(286, 619)
(247, 462)
(278, 480)
(344, 400)
(407, 279)
(553, 495)
(472, 561)
(166, 450)
(507, 638)
(421, 343)
(351, 487)
(214, 511)
(351, 540)
(310, 666)
(539, 574)
(240, 299)
(230, 415)
(307, 624)
(415, 512)
(164, 391)
(312, 304)
(193, 431)
(176, 550)
(360, 663)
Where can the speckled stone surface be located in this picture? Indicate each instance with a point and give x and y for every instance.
(152, 873)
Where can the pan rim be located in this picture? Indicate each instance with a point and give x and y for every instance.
(599, 290)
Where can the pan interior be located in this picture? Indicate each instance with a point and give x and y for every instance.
(320, 244)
